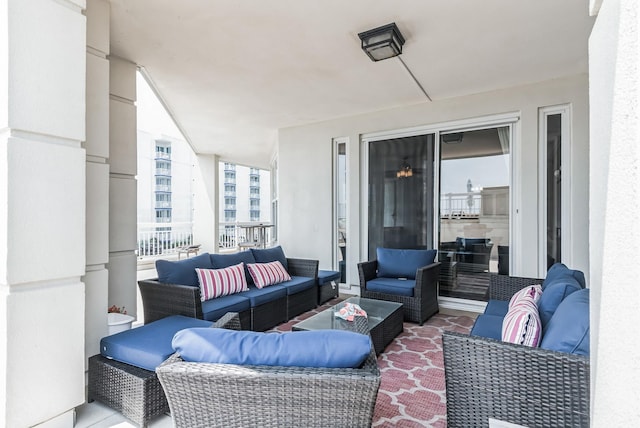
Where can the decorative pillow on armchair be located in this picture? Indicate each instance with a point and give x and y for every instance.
(400, 263)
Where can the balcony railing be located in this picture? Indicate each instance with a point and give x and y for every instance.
(231, 236)
(460, 205)
(165, 238)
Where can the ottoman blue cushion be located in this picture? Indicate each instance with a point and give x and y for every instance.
(214, 309)
(398, 263)
(497, 307)
(259, 296)
(321, 348)
(399, 287)
(221, 261)
(149, 345)
(267, 255)
(182, 271)
(298, 284)
(488, 326)
(326, 276)
(568, 328)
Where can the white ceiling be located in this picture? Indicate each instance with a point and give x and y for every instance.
(233, 72)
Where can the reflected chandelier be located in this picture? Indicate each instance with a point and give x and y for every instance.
(405, 170)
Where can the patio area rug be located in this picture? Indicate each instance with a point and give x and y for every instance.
(412, 391)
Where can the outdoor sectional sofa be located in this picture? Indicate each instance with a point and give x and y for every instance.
(176, 291)
(539, 386)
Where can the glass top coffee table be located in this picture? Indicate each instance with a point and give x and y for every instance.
(385, 320)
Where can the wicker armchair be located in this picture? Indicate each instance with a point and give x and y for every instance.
(227, 395)
(533, 387)
(417, 308)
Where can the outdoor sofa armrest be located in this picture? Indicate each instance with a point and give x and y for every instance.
(367, 271)
(303, 267)
(534, 387)
(503, 287)
(427, 281)
(161, 300)
(230, 321)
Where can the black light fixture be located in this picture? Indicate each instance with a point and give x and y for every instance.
(382, 42)
(454, 138)
(405, 170)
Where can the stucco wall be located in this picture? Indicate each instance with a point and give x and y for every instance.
(305, 171)
(614, 56)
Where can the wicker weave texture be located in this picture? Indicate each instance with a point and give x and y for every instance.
(502, 287)
(226, 395)
(528, 386)
(417, 308)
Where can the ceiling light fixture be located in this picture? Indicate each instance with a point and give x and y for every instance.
(382, 42)
(405, 170)
(454, 138)
(386, 42)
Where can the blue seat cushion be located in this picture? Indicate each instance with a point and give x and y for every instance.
(149, 345)
(568, 328)
(326, 276)
(220, 261)
(399, 287)
(266, 255)
(488, 326)
(259, 296)
(497, 307)
(214, 309)
(298, 284)
(320, 348)
(553, 294)
(558, 270)
(400, 263)
(182, 272)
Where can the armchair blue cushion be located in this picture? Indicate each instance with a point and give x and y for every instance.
(568, 329)
(321, 348)
(400, 263)
(182, 272)
(267, 255)
(559, 270)
(555, 292)
(393, 286)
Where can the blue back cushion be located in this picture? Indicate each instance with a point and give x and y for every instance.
(399, 263)
(220, 261)
(568, 330)
(149, 345)
(267, 255)
(321, 348)
(182, 271)
(558, 270)
(553, 295)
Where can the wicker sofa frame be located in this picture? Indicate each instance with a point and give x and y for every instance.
(417, 308)
(487, 378)
(225, 395)
(164, 299)
(132, 391)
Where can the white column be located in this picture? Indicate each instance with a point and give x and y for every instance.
(42, 211)
(614, 82)
(207, 199)
(122, 185)
(97, 173)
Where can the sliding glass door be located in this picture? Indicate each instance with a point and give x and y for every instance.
(474, 210)
(401, 183)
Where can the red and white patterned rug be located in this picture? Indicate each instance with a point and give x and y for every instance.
(412, 391)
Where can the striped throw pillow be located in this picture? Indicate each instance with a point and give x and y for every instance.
(530, 291)
(265, 274)
(221, 282)
(522, 324)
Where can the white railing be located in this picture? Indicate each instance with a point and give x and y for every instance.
(458, 205)
(232, 236)
(163, 238)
